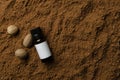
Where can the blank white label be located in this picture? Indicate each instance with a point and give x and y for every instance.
(43, 50)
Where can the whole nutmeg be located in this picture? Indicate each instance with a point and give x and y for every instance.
(27, 42)
(21, 53)
(12, 29)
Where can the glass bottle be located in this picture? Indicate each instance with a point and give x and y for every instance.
(41, 45)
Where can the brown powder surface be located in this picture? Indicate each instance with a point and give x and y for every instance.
(84, 36)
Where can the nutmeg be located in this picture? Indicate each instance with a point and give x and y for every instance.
(21, 53)
(12, 29)
(27, 42)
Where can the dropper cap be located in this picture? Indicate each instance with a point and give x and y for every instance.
(37, 35)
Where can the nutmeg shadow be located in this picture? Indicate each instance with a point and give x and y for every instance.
(24, 60)
(17, 32)
(32, 45)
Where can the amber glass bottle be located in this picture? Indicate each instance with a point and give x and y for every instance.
(41, 45)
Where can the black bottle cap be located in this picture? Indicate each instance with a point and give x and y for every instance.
(37, 35)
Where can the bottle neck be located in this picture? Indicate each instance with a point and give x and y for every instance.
(38, 41)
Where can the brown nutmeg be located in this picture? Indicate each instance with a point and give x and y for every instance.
(27, 42)
(12, 29)
(21, 53)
